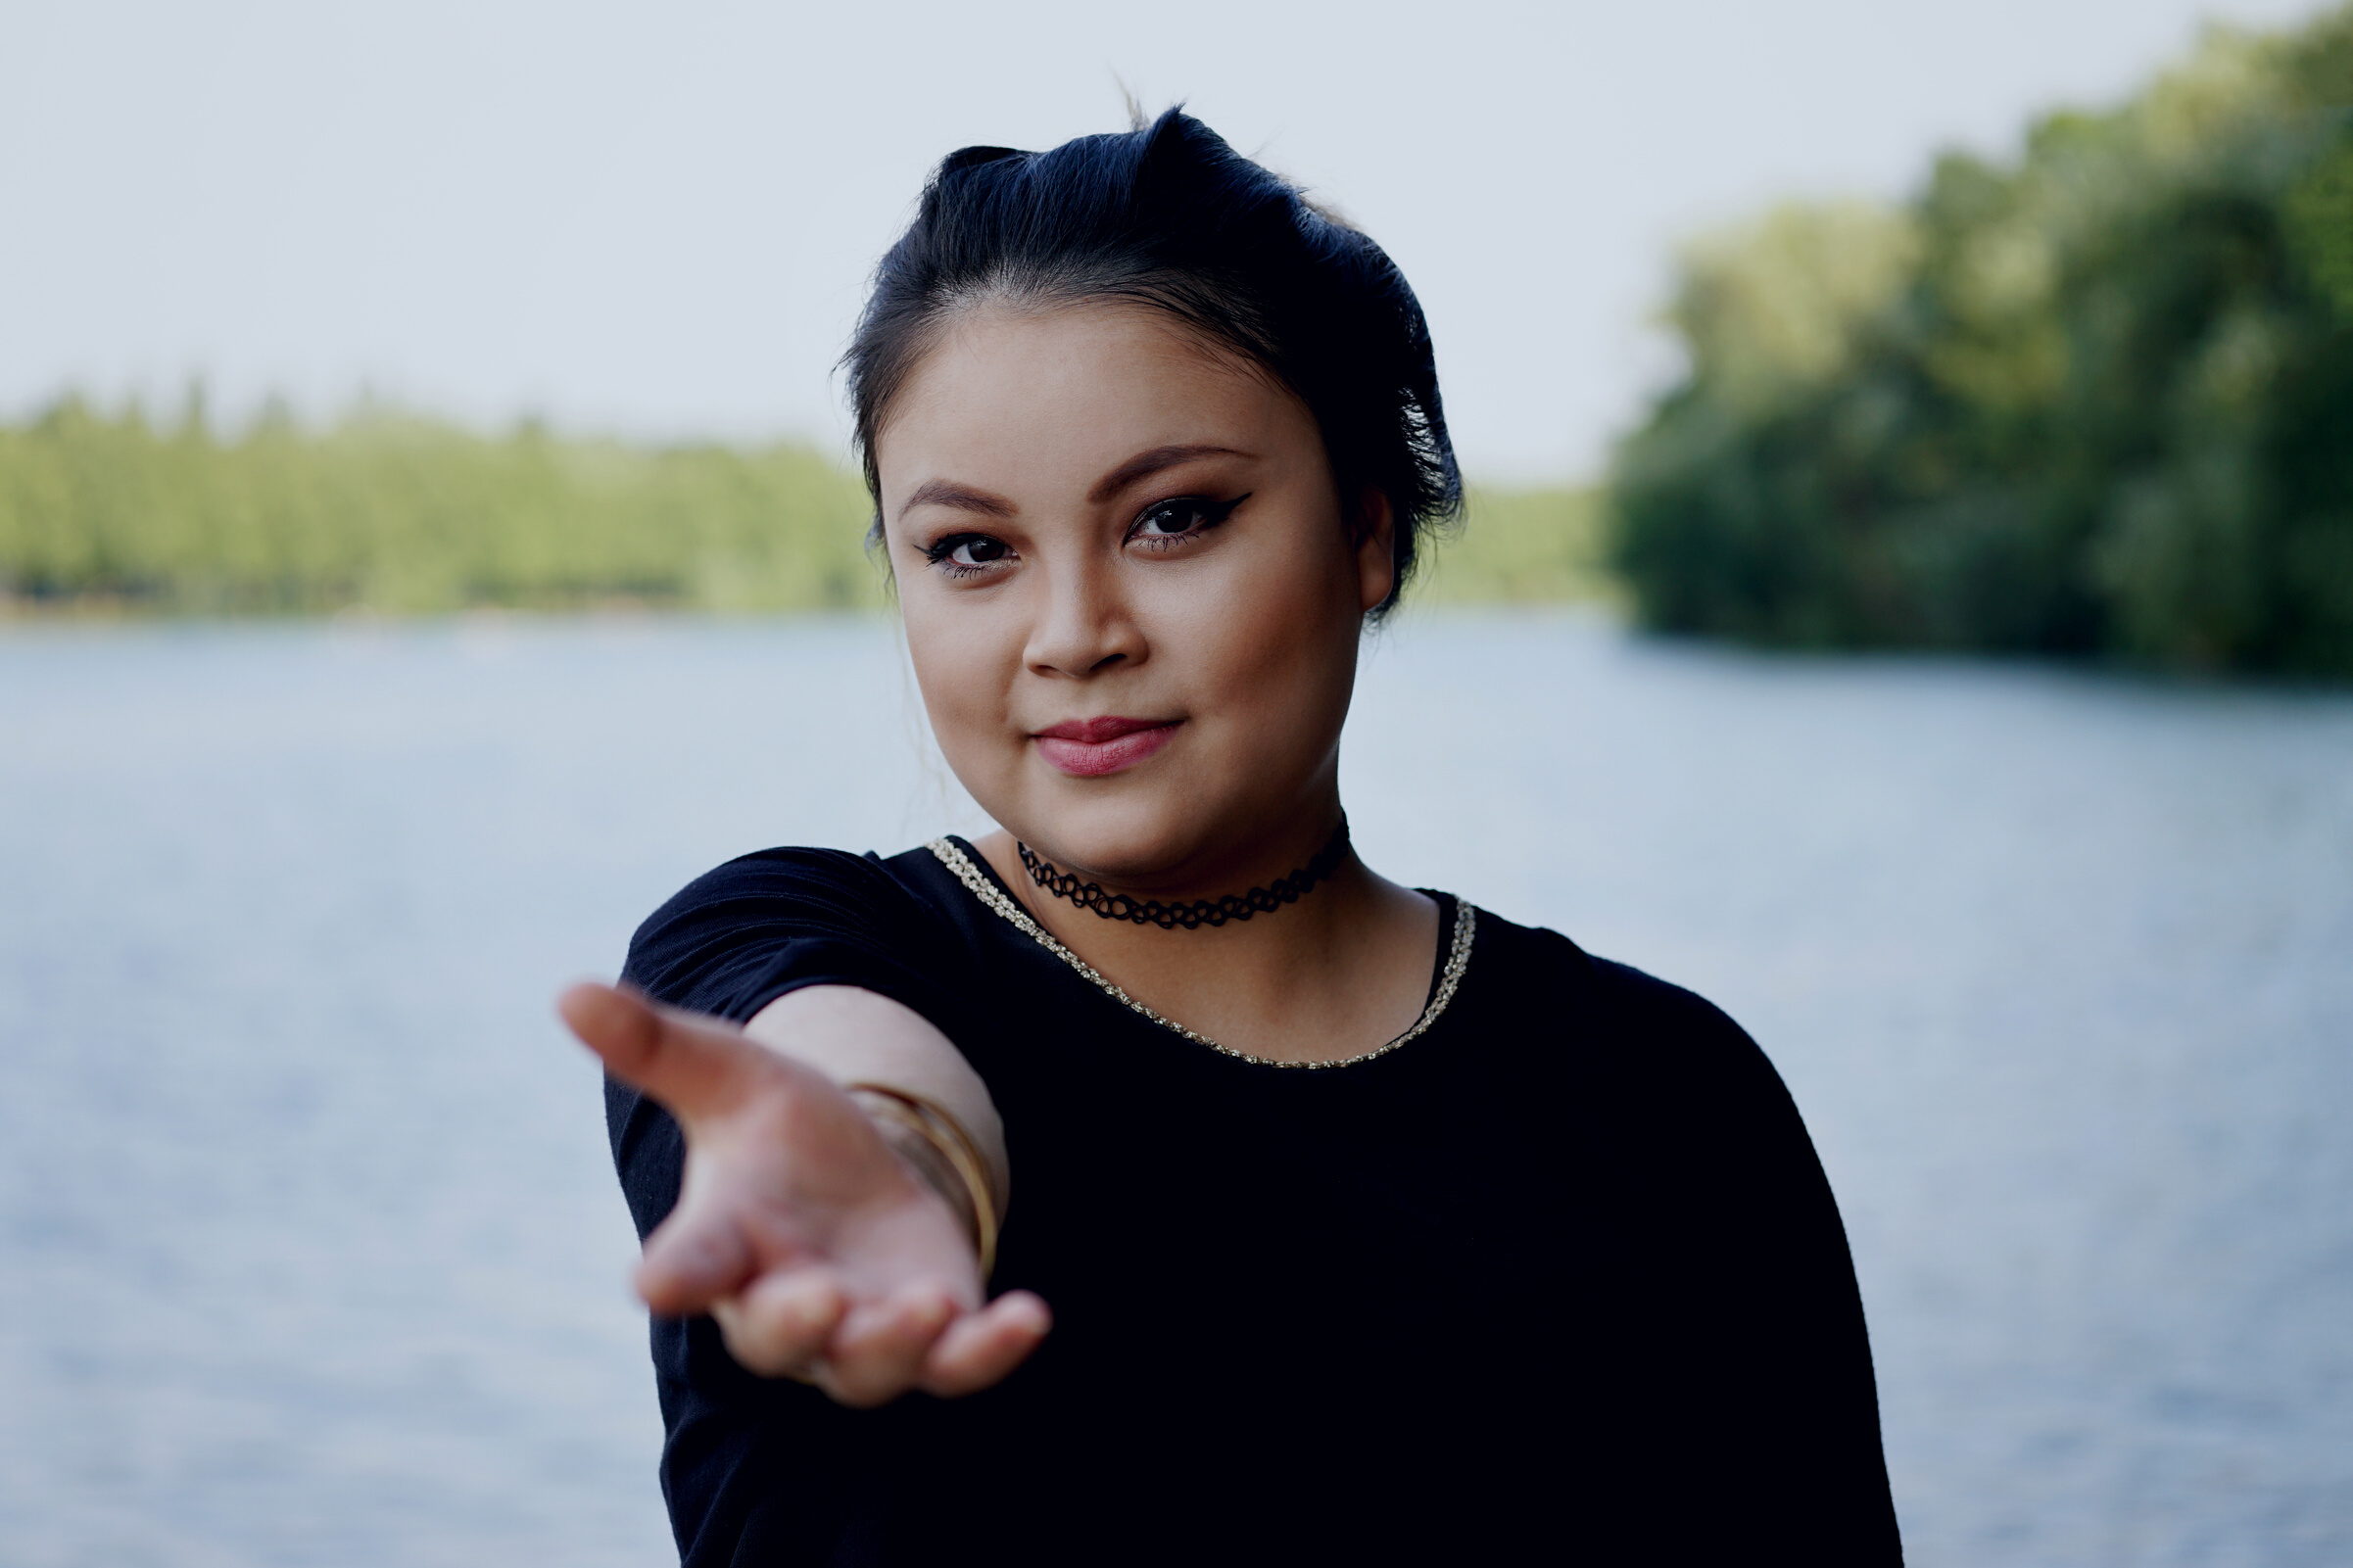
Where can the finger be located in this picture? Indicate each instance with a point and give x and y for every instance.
(880, 1348)
(978, 1349)
(694, 1257)
(778, 1325)
(691, 1065)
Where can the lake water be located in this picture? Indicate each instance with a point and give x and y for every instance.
(310, 1252)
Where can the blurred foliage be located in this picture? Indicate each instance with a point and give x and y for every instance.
(2099, 400)
(1520, 546)
(402, 515)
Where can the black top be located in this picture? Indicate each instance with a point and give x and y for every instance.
(1556, 1279)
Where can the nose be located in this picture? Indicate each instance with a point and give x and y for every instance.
(1084, 626)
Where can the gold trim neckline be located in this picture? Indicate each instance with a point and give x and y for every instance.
(976, 883)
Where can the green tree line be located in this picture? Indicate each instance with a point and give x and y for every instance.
(113, 512)
(2097, 400)
(405, 515)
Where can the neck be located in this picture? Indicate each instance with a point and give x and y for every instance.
(1190, 913)
(1339, 970)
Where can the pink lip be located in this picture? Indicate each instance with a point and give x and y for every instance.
(1089, 748)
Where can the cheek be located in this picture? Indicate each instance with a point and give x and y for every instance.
(1279, 630)
(959, 670)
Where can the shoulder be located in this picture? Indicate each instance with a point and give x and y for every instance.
(1619, 1016)
(792, 882)
(723, 942)
(1671, 1092)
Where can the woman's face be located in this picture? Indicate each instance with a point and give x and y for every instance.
(1133, 601)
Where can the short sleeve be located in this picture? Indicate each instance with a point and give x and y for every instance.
(729, 943)
(1758, 1291)
(737, 938)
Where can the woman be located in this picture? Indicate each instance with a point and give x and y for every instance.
(1332, 1220)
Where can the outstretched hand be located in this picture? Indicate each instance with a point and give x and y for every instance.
(820, 1251)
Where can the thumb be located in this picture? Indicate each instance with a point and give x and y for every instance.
(694, 1066)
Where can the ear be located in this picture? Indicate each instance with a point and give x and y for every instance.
(1376, 534)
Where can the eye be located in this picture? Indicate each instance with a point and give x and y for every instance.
(961, 554)
(1182, 517)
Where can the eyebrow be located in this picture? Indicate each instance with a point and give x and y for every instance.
(1145, 463)
(962, 498)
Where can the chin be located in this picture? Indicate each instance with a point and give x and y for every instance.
(1122, 834)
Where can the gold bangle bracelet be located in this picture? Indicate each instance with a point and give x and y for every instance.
(939, 1127)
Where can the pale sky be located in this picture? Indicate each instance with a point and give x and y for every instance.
(657, 220)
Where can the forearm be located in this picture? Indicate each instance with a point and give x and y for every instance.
(858, 1036)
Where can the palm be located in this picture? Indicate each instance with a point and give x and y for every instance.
(819, 1253)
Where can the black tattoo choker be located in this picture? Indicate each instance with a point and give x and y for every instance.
(1201, 911)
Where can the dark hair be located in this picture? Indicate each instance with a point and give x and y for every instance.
(1169, 216)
